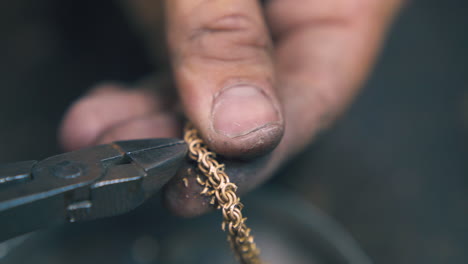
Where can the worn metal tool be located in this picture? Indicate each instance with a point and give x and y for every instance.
(86, 184)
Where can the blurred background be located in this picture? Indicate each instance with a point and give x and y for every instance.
(393, 171)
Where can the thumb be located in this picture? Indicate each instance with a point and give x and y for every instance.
(221, 57)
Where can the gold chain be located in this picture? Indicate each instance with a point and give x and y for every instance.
(216, 184)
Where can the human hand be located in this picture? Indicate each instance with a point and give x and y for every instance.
(254, 80)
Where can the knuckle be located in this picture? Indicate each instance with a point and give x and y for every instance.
(230, 23)
(232, 37)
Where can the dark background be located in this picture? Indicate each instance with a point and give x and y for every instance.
(393, 170)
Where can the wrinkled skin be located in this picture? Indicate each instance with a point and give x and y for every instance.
(258, 81)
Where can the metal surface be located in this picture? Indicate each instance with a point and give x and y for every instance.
(91, 183)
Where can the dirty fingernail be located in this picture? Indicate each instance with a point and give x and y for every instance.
(242, 109)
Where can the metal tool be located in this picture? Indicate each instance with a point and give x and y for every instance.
(91, 183)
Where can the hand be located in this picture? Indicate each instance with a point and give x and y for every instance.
(253, 79)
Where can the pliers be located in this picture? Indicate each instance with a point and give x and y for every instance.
(87, 184)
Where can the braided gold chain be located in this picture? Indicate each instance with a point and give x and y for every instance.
(216, 184)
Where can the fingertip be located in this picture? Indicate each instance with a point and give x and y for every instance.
(80, 125)
(245, 122)
(254, 144)
(241, 110)
(182, 194)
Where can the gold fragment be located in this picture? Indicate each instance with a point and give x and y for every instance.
(185, 180)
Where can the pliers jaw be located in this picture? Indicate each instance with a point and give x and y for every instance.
(86, 184)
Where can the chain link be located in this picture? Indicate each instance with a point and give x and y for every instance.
(216, 184)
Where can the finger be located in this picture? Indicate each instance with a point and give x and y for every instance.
(322, 58)
(182, 193)
(221, 57)
(102, 108)
(324, 52)
(158, 125)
